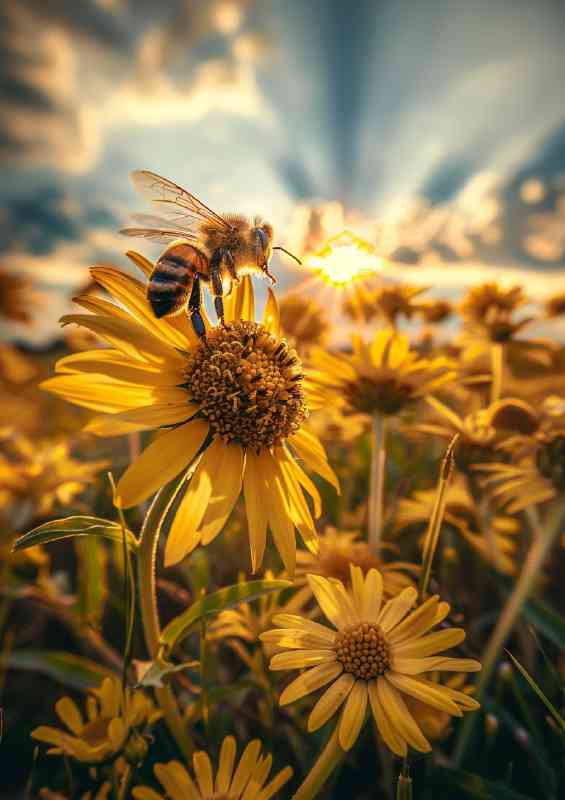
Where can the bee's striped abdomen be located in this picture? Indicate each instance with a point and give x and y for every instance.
(171, 280)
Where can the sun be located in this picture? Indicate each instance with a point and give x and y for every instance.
(344, 259)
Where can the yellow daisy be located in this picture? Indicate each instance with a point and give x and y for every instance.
(387, 302)
(109, 727)
(377, 654)
(248, 781)
(303, 321)
(383, 377)
(489, 308)
(233, 403)
(339, 549)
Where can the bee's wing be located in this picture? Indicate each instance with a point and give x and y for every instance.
(178, 205)
(162, 235)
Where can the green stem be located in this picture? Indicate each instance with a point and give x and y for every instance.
(432, 535)
(328, 760)
(146, 564)
(404, 784)
(497, 363)
(533, 565)
(377, 480)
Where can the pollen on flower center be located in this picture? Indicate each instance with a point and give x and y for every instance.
(363, 650)
(248, 384)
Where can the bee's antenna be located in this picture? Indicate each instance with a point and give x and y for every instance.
(289, 254)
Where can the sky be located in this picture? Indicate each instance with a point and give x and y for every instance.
(438, 125)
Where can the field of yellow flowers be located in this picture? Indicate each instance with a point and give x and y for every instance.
(273, 562)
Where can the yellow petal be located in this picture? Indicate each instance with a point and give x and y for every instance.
(184, 534)
(310, 680)
(99, 393)
(298, 659)
(229, 477)
(159, 463)
(275, 784)
(271, 315)
(390, 735)
(255, 490)
(176, 781)
(142, 419)
(203, 772)
(308, 447)
(353, 715)
(298, 507)
(145, 793)
(278, 512)
(431, 644)
(322, 591)
(225, 768)
(330, 701)
(400, 716)
(397, 608)
(417, 623)
(68, 712)
(372, 595)
(428, 692)
(245, 767)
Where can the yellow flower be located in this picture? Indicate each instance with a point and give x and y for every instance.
(461, 515)
(554, 306)
(248, 781)
(388, 302)
(303, 321)
(109, 725)
(435, 725)
(16, 297)
(231, 404)
(385, 376)
(489, 308)
(379, 653)
(339, 549)
(41, 475)
(434, 311)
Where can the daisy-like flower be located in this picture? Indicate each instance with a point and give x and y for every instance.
(232, 403)
(109, 727)
(434, 311)
(17, 298)
(554, 306)
(387, 302)
(246, 781)
(490, 309)
(461, 517)
(377, 654)
(339, 549)
(303, 321)
(384, 376)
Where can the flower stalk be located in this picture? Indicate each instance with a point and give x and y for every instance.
(432, 535)
(376, 484)
(328, 760)
(497, 366)
(146, 564)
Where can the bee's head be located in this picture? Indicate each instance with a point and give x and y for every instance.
(262, 236)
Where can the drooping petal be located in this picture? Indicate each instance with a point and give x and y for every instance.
(401, 717)
(353, 715)
(255, 491)
(390, 735)
(280, 520)
(160, 462)
(226, 490)
(430, 693)
(298, 507)
(308, 447)
(330, 701)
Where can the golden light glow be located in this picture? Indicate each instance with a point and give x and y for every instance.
(345, 258)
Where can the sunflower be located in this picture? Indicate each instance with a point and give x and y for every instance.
(110, 726)
(231, 405)
(248, 781)
(339, 549)
(303, 321)
(364, 303)
(383, 377)
(378, 653)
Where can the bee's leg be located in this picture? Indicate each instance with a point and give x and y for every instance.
(230, 264)
(216, 278)
(194, 303)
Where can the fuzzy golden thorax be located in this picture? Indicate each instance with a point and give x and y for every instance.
(249, 242)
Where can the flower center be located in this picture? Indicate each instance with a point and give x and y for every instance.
(387, 394)
(334, 563)
(248, 384)
(363, 650)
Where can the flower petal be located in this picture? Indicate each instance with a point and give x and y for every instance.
(309, 681)
(401, 717)
(245, 768)
(226, 491)
(271, 314)
(69, 714)
(309, 448)
(298, 659)
(330, 701)
(203, 771)
(372, 596)
(160, 462)
(176, 781)
(275, 784)
(390, 735)
(156, 415)
(431, 644)
(397, 608)
(417, 622)
(353, 715)
(255, 491)
(225, 768)
(322, 591)
(428, 692)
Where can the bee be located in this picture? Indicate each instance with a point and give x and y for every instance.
(202, 247)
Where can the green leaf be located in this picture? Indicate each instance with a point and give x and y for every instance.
(74, 526)
(221, 694)
(542, 696)
(71, 670)
(151, 673)
(547, 621)
(461, 784)
(212, 604)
